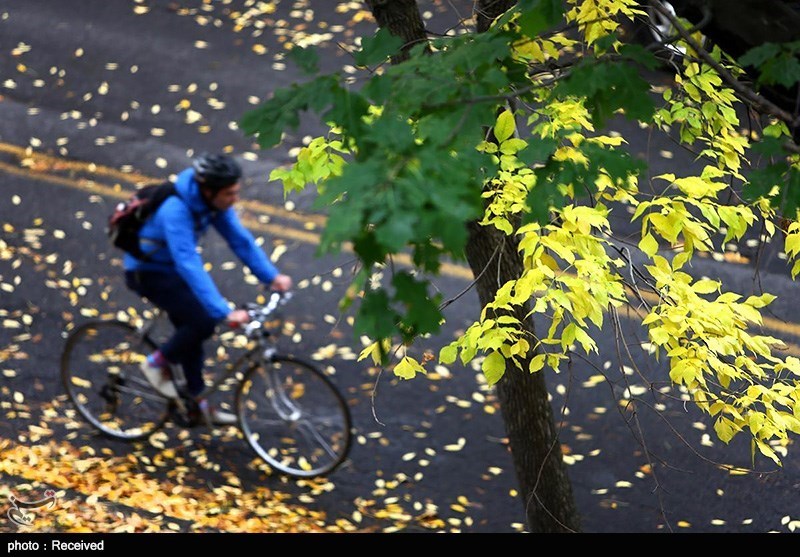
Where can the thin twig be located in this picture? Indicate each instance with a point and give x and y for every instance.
(446, 303)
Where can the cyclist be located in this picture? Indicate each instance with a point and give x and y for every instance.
(173, 278)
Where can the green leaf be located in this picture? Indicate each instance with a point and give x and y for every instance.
(770, 146)
(347, 110)
(376, 49)
(375, 317)
(607, 87)
(366, 245)
(379, 88)
(539, 15)
(641, 55)
(494, 366)
(760, 54)
(784, 70)
(389, 132)
(775, 63)
(763, 180)
(541, 199)
(422, 314)
(306, 59)
(282, 111)
(618, 164)
(538, 150)
(397, 231)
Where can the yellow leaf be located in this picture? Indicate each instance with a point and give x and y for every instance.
(512, 145)
(505, 126)
(659, 336)
(537, 363)
(407, 368)
(766, 450)
(792, 244)
(648, 245)
(448, 354)
(760, 301)
(725, 429)
(705, 286)
(494, 365)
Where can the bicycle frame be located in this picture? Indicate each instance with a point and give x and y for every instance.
(261, 350)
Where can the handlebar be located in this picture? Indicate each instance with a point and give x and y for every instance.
(259, 314)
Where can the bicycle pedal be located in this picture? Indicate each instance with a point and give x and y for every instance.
(186, 413)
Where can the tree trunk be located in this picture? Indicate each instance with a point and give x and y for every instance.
(545, 488)
(403, 19)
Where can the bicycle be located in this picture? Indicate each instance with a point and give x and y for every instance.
(290, 413)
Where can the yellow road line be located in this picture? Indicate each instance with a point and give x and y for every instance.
(272, 210)
(137, 178)
(119, 193)
(87, 185)
(449, 269)
(62, 163)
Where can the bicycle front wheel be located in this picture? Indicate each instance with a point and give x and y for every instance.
(294, 417)
(100, 372)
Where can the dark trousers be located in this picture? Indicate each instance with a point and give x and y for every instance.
(193, 325)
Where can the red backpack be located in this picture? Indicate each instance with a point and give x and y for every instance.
(129, 216)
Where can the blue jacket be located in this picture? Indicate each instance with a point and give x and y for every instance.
(172, 235)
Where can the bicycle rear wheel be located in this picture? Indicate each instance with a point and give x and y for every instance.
(100, 372)
(294, 417)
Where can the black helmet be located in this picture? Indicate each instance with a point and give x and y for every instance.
(216, 171)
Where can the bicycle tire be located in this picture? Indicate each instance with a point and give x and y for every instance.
(100, 373)
(294, 417)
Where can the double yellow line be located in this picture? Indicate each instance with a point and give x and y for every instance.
(33, 160)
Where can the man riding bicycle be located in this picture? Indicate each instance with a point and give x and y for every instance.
(173, 278)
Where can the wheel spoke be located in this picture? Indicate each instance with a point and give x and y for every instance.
(100, 372)
(149, 395)
(312, 434)
(294, 418)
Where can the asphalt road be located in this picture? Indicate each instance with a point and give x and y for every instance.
(116, 93)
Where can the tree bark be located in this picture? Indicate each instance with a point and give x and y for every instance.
(403, 19)
(545, 487)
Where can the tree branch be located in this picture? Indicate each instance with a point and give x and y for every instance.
(759, 103)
